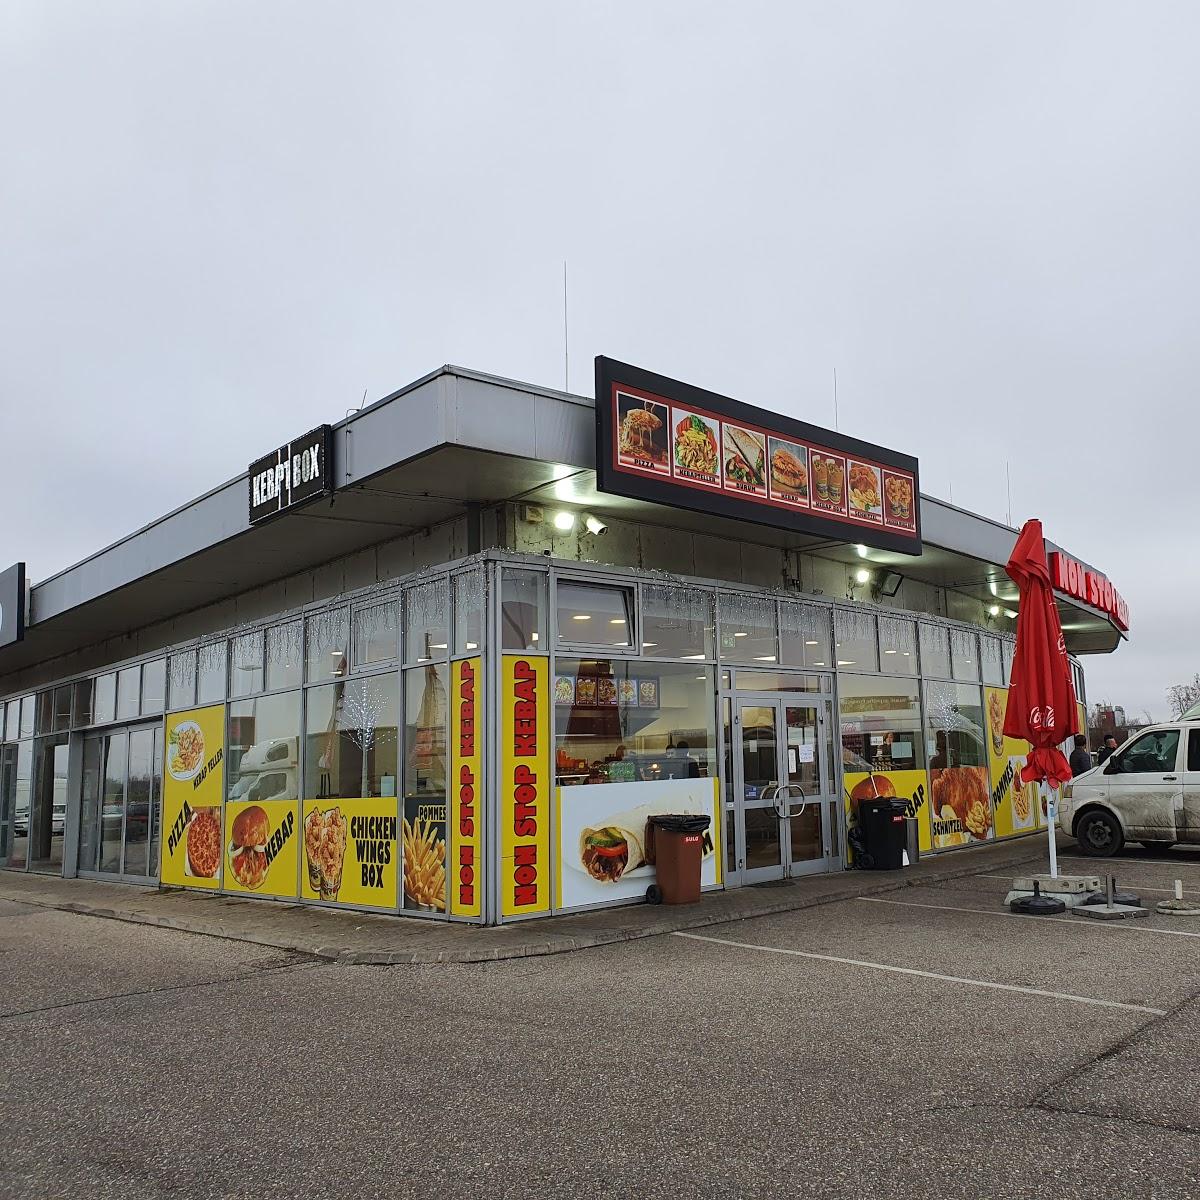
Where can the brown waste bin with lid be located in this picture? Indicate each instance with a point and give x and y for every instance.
(678, 848)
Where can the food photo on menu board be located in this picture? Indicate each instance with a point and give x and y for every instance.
(745, 460)
(962, 806)
(643, 440)
(866, 502)
(789, 472)
(898, 500)
(697, 446)
(606, 849)
(828, 473)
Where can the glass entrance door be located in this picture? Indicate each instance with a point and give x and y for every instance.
(786, 820)
(48, 817)
(122, 791)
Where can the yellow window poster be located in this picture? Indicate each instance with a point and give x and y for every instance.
(910, 786)
(261, 847)
(1015, 804)
(193, 787)
(351, 851)
(526, 791)
(466, 788)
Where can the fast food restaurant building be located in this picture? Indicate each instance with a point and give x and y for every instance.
(445, 657)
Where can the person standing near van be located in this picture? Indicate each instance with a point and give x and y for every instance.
(1081, 760)
(1110, 744)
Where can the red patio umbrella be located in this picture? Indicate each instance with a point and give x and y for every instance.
(1041, 698)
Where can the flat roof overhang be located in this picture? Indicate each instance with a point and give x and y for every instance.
(424, 455)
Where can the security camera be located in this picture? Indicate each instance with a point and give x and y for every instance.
(594, 525)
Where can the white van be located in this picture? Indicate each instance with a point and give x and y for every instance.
(268, 770)
(1148, 791)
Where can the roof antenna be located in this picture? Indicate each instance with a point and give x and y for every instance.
(566, 357)
(835, 406)
(363, 401)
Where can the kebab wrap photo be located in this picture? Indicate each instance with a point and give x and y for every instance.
(619, 846)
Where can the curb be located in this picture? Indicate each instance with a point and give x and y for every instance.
(564, 944)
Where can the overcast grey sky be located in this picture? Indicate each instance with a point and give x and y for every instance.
(223, 221)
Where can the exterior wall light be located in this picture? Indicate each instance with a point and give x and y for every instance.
(564, 520)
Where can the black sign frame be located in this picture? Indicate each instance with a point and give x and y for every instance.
(273, 474)
(13, 599)
(612, 376)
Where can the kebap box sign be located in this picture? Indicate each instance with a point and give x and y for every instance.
(671, 443)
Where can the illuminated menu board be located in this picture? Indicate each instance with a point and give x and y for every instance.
(670, 443)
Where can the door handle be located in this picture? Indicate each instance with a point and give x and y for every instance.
(1170, 779)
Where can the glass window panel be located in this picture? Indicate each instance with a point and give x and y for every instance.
(112, 807)
(990, 660)
(156, 764)
(747, 628)
(804, 635)
(246, 664)
(137, 805)
(154, 687)
(425, 734)
(44, 720)
(104, 707)
(83, 702)
(954, 726)
(781, 681)
(62, 708)
(376, 636)
(964, 654)
(128, 692)
(351, 747)
(1006, 652)
(897, 645)
(325, 645)
(285, 656)
(633, 720)
(881, 724)
(594, 614)
(20, 783)
(26, 716)
(854, 633)
(211, 666)
(935, 651)
(89, 822)
(12, 722)
(264, 748)
(676, 622)
(427, 621)
(523, 610)
(182, 693)
(468, 611)
(1152, 754)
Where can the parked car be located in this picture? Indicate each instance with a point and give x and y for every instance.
(1148, 791)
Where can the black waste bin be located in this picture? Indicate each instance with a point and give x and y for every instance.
(884, 829)
(676, 845)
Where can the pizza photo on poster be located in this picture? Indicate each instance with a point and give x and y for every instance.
(789, 472)
(696, 447)
(644, 436)
(866, 501)
(899, 500)
(745, 460)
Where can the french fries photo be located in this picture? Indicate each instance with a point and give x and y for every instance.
(424, 864)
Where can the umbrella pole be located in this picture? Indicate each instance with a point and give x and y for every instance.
(1051, 822)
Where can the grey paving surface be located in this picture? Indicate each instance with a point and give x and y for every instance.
(360, 937)
(143, 1062)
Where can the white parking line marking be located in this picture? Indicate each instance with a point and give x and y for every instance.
(1121, 885)
(876, 966)
(1131, 862)
(988, 912)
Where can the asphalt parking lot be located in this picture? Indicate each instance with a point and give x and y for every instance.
(923, 1043)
